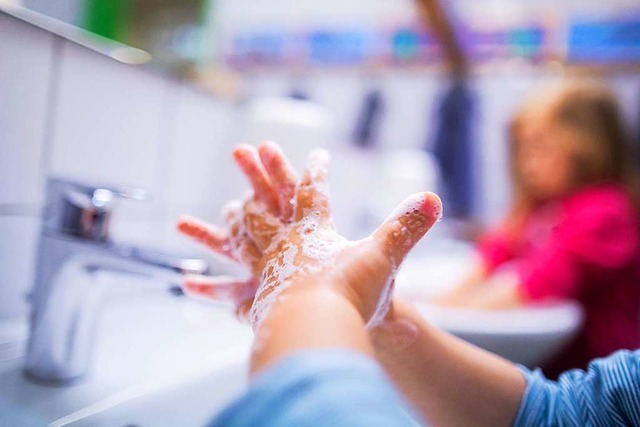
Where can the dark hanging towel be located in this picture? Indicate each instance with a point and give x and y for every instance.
(299, 94)
(365, 133)
(299, 87)
(452, 148)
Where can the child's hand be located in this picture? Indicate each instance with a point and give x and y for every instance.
(285, 233)
(268, 211)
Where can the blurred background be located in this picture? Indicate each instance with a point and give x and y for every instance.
(408, 95)
(379, 83)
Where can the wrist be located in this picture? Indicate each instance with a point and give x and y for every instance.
(311, 291)
(308, 316)
(329, 287)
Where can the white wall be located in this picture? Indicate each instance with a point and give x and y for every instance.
(99, 121)
(25, 76)
(24, 79)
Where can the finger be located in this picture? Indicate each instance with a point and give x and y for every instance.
(242, 246)
(283, 177)
(220, 288)
(259, 224)
(406, 225)
(313, 193)
(247, 159)
(211, 236)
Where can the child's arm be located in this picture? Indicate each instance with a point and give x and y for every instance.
(449, 382)
(606, 394)
(453, 383)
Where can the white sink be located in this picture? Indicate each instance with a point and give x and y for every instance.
(160, 361)
(528, 335)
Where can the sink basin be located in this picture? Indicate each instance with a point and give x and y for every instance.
(528, 335)
(160, 360)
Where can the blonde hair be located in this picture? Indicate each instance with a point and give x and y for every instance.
(603, 147)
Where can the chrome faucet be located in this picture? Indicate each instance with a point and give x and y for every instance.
(74, 245)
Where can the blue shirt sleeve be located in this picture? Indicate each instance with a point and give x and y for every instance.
(317, 388)
(607, 394)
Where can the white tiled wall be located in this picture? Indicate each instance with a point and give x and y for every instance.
(197, 147)
(107, 120)
(190, 176)
(18, 241)
(25, 65)
(26, 56)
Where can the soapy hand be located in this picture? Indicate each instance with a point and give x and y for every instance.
(284, 235)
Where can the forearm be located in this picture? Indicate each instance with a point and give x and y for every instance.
(448, 381)
(608, 392)
(308, 316)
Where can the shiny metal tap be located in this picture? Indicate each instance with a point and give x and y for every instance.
(74, 245)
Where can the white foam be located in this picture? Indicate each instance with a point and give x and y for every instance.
(319, 244)
(274, 280)
(384, 302)
(317, 249)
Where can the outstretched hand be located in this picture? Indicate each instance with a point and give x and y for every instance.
(284, 232)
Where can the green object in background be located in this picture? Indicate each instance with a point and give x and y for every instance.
(170, 30)
(107, 18)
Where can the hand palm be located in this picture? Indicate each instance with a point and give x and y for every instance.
(285, 232)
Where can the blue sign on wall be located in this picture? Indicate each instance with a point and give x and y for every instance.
(337, 47)
(605, 41)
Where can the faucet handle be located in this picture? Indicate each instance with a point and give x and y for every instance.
(83, 210)
(133, 193)
(102, 198)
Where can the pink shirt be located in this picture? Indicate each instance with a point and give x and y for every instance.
(585, 247)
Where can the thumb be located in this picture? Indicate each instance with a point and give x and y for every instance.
(406, 225)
